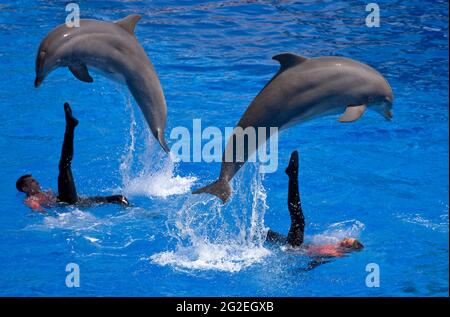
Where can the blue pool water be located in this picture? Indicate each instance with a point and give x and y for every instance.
(383, 182)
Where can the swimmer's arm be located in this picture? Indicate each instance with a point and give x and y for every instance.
(324, 251)
(52, 198)
(34, 205)
(275, 238)
(315, 263)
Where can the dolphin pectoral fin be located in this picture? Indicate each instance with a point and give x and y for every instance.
(129, 23)
(352, 113)
(219, 188)
(388, 114)
(81, 72)
(288, 60)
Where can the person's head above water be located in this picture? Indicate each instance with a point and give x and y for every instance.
(350, 244)
(28, 185)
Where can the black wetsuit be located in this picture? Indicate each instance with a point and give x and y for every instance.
(296, 231)
(67, 192)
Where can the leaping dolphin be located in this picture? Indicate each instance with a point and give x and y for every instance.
(303, 89)
(112, 49)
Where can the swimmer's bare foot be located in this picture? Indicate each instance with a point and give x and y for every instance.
(70, 119)
(292, 169)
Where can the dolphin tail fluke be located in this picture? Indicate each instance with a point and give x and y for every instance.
(219, 188)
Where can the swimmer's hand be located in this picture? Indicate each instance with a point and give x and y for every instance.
(118, 199)
(70, 119)
(124, 201)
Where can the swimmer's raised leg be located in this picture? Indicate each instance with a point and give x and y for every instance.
(66, 185)
(296, 232)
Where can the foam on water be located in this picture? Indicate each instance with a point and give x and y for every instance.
(440, 225)
(212, 236)
(74, 219)
(91, 239)
(151, 174)
(83, 230)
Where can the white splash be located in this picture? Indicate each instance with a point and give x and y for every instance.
(209, 256)
(336, 232)
(159, 184)
(212, 236)
(153, 175)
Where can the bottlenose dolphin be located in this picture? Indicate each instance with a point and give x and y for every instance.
(303, 89)
(112, 49)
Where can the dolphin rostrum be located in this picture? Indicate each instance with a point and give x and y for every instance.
(303, 89)
(113, 50)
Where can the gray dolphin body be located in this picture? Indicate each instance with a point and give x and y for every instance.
(304, 89)
(112, 49)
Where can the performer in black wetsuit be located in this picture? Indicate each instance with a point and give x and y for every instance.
(297, 229)
(67, 193)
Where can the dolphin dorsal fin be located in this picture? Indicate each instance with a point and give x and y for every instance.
(288, 60)
(129, 23)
